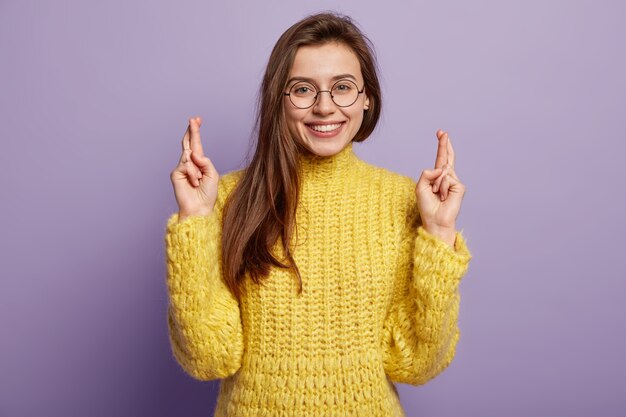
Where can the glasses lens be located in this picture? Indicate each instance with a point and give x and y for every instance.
(345, 93)
(302, 95)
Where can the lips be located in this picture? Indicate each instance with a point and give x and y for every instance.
(324, 127)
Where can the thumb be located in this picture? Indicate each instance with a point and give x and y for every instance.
(428, 176)
(204, 164)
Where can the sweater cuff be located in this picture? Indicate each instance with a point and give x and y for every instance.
(433, 256)
(173, 225)
(194, 235)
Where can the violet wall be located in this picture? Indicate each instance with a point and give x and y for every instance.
(94, 99)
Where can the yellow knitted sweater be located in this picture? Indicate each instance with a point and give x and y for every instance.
(379, 305)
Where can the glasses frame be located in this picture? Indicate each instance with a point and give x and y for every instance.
(326, 91)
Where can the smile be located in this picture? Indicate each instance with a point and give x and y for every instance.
(325, 127)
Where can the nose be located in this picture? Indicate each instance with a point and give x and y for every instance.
(324, 103)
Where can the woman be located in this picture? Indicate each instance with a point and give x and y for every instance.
(311, 281)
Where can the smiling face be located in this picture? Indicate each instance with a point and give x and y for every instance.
(325, 128)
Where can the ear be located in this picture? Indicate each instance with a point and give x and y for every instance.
(366, 105)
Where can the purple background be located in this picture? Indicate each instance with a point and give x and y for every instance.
(94, 100)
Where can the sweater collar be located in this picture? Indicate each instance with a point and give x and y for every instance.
(323, 167)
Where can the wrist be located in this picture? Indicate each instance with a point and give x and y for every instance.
(447, 234)
(182, 215)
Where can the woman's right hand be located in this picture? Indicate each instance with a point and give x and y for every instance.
(195, 178)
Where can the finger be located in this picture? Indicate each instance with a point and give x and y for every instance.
(196, 144)
(427, 177)
(442, 151)
(188, 171)
(185, 141)
(438, 180)
(455, 186)
(451, 155)
(204, 164)
(193, 174)
(185, 157)
(452, 173)
(445, 185)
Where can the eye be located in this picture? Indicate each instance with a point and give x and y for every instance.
(343, 87)
(303, 89)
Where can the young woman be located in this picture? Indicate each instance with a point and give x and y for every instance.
(310, 281)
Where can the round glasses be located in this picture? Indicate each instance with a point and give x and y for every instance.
(344, 93)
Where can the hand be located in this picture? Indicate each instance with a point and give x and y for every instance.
(440, 192)
(195, 178)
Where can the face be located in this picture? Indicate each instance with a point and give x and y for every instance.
(325, 128)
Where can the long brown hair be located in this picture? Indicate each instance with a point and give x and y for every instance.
(262, 207)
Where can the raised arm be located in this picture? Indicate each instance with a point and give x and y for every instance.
(421, 331)
(203, 317)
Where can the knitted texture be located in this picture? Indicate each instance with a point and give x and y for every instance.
(379, 305)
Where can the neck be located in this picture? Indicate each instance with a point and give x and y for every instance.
(321, 167)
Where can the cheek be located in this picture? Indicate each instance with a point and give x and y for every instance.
(357, 117)
(292, 116)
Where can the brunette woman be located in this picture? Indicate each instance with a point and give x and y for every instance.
(311, 281)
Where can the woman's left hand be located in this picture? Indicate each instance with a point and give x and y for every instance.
(440, 192)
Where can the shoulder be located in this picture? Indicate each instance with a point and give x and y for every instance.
(401, 186)
(229, 181)
(227, 184)
(395, 191)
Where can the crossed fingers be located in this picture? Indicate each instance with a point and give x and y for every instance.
(192, 145)
(445, 160)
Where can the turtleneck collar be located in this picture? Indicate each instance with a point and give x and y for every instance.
(323, 167)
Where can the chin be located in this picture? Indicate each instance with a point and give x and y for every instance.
(326, 148)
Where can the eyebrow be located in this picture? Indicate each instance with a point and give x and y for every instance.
(312, 81)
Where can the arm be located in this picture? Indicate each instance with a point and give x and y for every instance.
(420, 331)
(204, 322)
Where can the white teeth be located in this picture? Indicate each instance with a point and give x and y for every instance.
(325, 128)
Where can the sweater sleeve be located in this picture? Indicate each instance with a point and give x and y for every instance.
(204, 323)
(420, 332)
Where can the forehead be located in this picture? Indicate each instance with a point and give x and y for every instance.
(323, 62)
